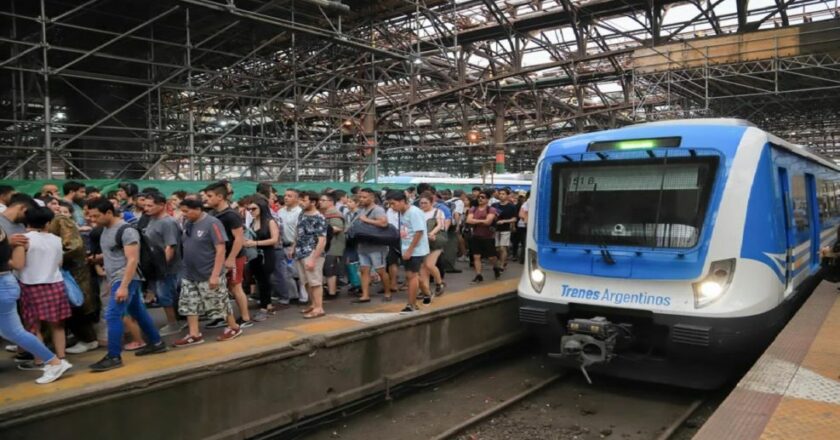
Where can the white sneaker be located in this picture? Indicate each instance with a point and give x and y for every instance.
(171, 329)
(12, 348)
(83, 347)
(53, 372)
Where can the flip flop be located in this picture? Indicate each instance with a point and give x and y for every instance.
(360, 301)
(311, 315)
(386, 299)
(307, 310)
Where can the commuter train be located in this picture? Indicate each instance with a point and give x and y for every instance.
(516, 182)
(673, 251)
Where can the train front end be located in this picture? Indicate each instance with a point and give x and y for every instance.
(633, 257)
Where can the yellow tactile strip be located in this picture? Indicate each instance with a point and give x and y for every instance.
(803, 419)
(139, 371)
(811, 407)
(782, 375)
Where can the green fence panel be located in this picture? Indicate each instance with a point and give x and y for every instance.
(240, 187)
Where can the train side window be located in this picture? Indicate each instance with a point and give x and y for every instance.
(835, 196)
(799, 199)
(823, 201)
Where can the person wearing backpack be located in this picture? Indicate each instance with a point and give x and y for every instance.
(266, 234)
(121, 263)
(336, 242)
(163, 232)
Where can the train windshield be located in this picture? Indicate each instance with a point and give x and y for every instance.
(655, 203)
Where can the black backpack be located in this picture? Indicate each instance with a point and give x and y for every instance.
(152, 264)
(330, 232)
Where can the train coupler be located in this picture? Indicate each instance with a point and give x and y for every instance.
(591, 341)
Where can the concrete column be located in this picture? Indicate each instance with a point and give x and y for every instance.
(499, 135)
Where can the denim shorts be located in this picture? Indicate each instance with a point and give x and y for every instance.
(166, 290)
(374, 259)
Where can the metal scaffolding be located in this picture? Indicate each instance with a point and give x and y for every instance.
(324, 89)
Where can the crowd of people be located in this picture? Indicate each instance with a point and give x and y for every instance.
(85, 266)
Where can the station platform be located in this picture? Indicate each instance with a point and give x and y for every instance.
(793, 390)
(277, 372)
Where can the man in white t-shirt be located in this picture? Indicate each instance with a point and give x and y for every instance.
(284, 286)
(414, 243)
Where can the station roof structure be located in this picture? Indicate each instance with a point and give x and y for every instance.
(345, 90)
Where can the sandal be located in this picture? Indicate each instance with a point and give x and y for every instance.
(133, 346)
(312, 315)
(307, 310)
(360, 300)
(386, 298)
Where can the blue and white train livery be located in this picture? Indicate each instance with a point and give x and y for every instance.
(657, 250)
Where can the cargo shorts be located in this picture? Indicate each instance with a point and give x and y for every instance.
(197, 298)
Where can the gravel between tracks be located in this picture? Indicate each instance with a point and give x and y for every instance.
(567, 409)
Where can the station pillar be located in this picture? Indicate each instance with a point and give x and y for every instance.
(499, 135)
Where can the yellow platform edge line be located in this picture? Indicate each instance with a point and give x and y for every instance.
(140, 369)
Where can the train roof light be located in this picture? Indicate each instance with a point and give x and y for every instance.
(634, 144)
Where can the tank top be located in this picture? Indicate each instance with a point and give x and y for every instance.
(264, 233)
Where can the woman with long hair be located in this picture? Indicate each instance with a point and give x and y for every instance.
(435, 224)
(266, 235)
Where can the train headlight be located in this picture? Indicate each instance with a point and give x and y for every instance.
(535, 274)
(716, 283)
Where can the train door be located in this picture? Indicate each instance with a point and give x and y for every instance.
(784, 187)
(814, 213)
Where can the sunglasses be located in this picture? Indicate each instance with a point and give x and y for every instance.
(482, 197)
(253, 208)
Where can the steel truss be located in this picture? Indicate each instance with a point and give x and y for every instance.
(323, 89)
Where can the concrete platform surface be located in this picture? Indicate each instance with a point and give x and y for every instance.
(792, 391)
(377, 343)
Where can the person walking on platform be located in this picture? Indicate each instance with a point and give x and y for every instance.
(13, 257)
(75, 193)
(414, 244)
(505, 225)
(121, 254)
(482, 241)
(203, 290)
(82, 322)
(521, 228)
(217, 200)
(436, 232)
(266, 235)
(164, 232)
(310, 242)
(333, 261)
(43, 299)
(372, 256)
(284, 284)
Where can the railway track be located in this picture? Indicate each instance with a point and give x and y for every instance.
(522, 397)
(452, 433)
